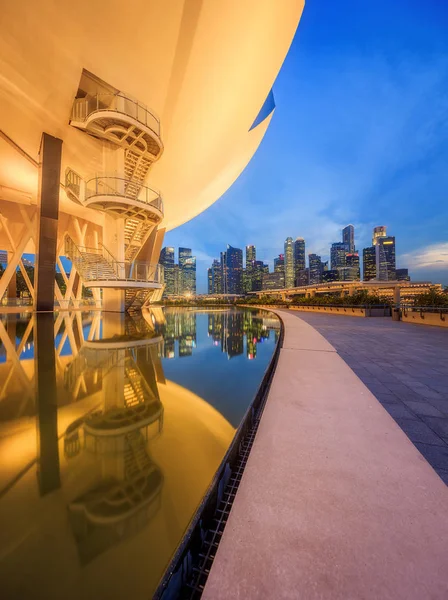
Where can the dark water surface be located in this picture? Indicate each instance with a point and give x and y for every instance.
(111, 429)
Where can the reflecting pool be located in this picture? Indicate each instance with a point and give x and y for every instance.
(111, 429)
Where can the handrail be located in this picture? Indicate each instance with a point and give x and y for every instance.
(107, 268)
(120, 103)
(119, 186)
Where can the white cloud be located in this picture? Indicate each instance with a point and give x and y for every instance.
(433, 257)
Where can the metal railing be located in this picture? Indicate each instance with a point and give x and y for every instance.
(440, 310)
(124, 188)
(98, 264)
(119, 103)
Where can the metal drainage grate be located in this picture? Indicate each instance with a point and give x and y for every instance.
(193, 589)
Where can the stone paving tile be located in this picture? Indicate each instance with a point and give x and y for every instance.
(440, 426)
(419, 432)
(399, 411)
(406, 368)
(423, 408)
(437, 456)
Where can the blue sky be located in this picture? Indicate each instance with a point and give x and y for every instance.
(359, 135)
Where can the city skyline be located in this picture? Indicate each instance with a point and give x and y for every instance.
(371, 150)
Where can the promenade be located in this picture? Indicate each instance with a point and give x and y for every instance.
(405, 366)
(335, 501)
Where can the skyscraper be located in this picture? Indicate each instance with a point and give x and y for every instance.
(250, 260)
(187, 272)
(223, 260)
(316, 268)
(289, 263)
(348, 238)
(167, 261)
(403, 275)
(388, 244)
(209, 281)
(257, 275)
(299, 258)
(380, 263)
(351, 270)
(338, 252)
(369, 263)
(217, 277)
(234, 270)
(279, 264)
(378, 232)
(188, 276)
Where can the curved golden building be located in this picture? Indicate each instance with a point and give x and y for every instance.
(143, 112)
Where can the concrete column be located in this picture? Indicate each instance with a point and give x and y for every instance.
(12, 285)
(47, 221)
(351, 291)
(113, 240)
(48, 472)
(397, 297)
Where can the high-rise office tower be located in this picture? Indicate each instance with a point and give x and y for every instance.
(316, 268)
(184, 254)
(234, 270)
(185, 272)
(177, 280)
(223, 260)
(299, 258)
(188, 276)
(303, 277)
(369, 263)
(279, 264)
(338, 253)
(209, 280)
(257, 275)
(289, 263)
(265, 268)
(351, 270)
(348, 238)
(217, 277)
(167, 260)
(250, 260)
(378, 233)
(330, 275)
(380, 263)
(403, 275)
(388, 244)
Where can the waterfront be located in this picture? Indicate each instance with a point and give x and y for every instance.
(112, 428)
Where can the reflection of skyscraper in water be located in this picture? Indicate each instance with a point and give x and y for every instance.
(181, 326)
(228, 329)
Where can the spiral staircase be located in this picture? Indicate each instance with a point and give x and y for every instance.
(126, 124)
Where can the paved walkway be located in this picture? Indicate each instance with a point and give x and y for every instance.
(335, 502)
(406, 367)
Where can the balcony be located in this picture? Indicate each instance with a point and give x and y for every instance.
(98, 268)
(121, 120)
(122, 198)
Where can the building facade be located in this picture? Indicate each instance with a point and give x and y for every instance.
(348, 238)
(299, 258)
(315, 268)
(289, 263)
(234, 270)
(167, 261)
(103, 134)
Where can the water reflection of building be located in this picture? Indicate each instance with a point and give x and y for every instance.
(229, 328)
(181, 327)
(96, 394)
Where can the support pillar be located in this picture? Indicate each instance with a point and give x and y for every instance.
(12, 285)
(113, 240)
(48, 472)
(397, 297)
(47, 221)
